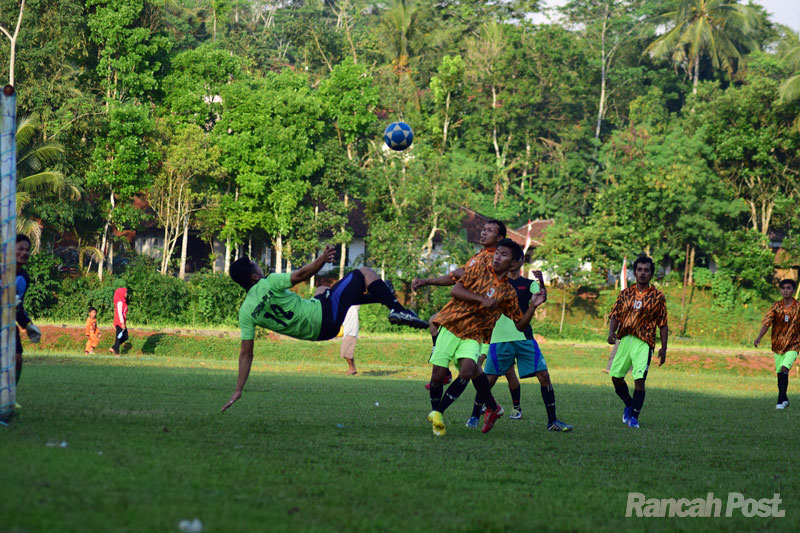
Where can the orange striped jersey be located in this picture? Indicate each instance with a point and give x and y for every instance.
(471, 320)
(485, 256)
(785, 323)
(640, 313)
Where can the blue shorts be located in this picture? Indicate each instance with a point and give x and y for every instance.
(344, 294)
(526, 353)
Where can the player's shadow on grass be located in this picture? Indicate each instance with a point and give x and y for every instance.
(377, 373)
(149, 346)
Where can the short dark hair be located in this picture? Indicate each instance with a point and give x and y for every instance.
(241, 270)
(23, 238)
(644, 259)
(791, 282)
(516, 249)
(501, 228)
(92, 309)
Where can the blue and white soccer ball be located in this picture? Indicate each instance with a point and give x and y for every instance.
(398, 136)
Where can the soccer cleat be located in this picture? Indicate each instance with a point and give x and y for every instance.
(407, 318)
(558, 425)
(633, 423)
(472, 422)
(516, 414)
(626, 415)
(435, 418)
(782, 405)
(491, 417)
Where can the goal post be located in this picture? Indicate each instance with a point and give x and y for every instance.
(8, 274)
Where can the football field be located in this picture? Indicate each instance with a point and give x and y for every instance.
(137, 443)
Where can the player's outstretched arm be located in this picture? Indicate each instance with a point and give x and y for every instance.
(442, 281)
(309, 269)
(245, 362)
(461, 293)
(662, 353)
(760, 334)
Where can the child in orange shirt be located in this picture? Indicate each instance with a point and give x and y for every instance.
(92, 331)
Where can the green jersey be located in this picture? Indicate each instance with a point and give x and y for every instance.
(270, 304)
(504, 329)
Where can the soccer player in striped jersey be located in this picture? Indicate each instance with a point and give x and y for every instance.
(491, 233)
(784, 318)
(637, 313)
(478, 299)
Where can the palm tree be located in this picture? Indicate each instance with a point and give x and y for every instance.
(398, 25)
(715, 29)
(789, 51)
(34, 178)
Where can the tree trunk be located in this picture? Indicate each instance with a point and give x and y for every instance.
(696, 75)
(110, 262)
(279, 254)
(12, 55)
(343, 257)
(563, 307)
(227, 265)
(184, 247)
(164, 250)
(691, 266)
(685, 279)
(102, 249)
(603, 75)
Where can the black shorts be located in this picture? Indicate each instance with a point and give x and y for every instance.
(346, 293)
(19, 341)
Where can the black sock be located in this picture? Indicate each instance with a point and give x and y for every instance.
(478, 405)
(622, 392)
(783, 384)
(481, 384)
(382, 293)
(436, 395)
(549, 397)
(638, 401)
(515, 397)
(452, 393)
(366, 298)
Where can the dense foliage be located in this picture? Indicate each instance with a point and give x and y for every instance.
(259, 124)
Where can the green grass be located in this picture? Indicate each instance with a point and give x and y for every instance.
(147, 446)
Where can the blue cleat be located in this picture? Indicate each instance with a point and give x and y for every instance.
(472, 422)
(626, 415)
(633, 423)
(558, 425)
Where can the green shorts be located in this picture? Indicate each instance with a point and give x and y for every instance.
(451, 348)
(786, 359)
(634, 353)
(527, 355)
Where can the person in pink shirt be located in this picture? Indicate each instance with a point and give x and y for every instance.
(120, 318)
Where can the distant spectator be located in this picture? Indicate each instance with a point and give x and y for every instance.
(92, 331)
(350, 328)
(120, 318)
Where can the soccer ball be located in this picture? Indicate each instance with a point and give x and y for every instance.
(398, 136)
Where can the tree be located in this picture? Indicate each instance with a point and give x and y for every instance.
(755, 148)
(715, 29)
(189, 168)
(789, 52)
(608, 25)
(33, 177)
(122, 164)
(448, 88)
(267, 133)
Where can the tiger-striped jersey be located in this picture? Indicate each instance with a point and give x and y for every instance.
(485, 256)
(785, 323)
(471, 320)
(640, 313)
